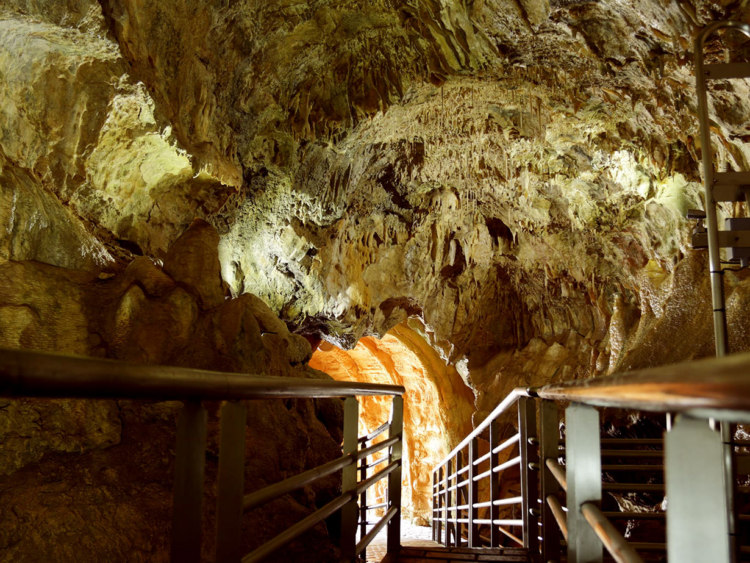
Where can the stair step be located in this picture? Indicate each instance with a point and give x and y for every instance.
(634, 487)
(730, 186)
(718, 71)
(635, 515)
(632, 453)
(435, 554)
(625, 467)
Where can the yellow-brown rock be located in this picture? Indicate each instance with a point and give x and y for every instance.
(437, 404)
(96, 475)
(508, 176)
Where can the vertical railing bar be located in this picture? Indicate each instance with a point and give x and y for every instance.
(349, 480)
(190, 461)
(529, 473)
(231, 482)
(695, 486)
(549, 439)
(494, 485)
(472, 494)
(396, 429)
(584, 478)
(457, 497)
(435, 505)
(446, 499)
(438, 515)
(363, 505)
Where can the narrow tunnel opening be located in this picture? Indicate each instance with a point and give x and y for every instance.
(438, 405)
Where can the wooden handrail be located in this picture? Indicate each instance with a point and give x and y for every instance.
(40, 374)
(611, 538)
(716, 387)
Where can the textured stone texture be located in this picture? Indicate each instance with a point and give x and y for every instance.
(437, 404)
(73, 472)
(511, 175)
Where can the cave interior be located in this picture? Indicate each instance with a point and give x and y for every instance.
(458, 197)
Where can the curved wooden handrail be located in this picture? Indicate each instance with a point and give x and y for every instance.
(714, 387)
(40, 374)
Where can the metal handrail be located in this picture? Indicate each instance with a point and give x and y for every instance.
(370, 481)
(374, 434)
(299, 528)
(375, 448)
(456, 482)
(557, 472)
(298, 481)
(40, 374)
(715, 270)
(611, 539)
(26, 373)
(511, 398)
(365, 541)
(559, 514)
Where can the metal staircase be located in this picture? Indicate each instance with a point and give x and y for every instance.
(720, 186)
(667, 494)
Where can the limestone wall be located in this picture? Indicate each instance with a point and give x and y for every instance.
(510, 177)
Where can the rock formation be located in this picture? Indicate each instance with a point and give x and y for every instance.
(85, 469)
(506, 179)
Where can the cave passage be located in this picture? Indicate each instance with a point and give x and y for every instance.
(438, 405)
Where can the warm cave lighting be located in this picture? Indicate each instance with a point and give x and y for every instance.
(437, 406)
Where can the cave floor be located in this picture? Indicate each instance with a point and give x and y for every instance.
(417, 547)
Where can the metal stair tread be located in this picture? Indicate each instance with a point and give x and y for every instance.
(421, 554)
(726, 71)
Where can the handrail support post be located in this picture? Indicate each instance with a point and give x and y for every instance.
(458, 526)
(473, 494)
(529, 477)
(494, 484)
(190, 461)
(696, 486)
(446, 502)
(394, 479)
(584, 477)
(231, 481)
(349, 480)
(549, 437)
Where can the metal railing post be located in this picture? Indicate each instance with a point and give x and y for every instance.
(584, 477)
(473, 496)
(363, 503)
(549, 434)
(494, 485)
(438, 501)
(457, 498)
(697, 522)
(446, 501)
(394, 479)
(349, 480)
(231, 482)
(187, 506)
(529, 475)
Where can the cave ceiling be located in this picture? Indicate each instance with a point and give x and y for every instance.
(512, 173)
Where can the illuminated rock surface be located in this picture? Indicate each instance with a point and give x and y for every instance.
(437, 403)
(511, 176)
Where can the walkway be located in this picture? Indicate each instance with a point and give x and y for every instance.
(411, 535)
